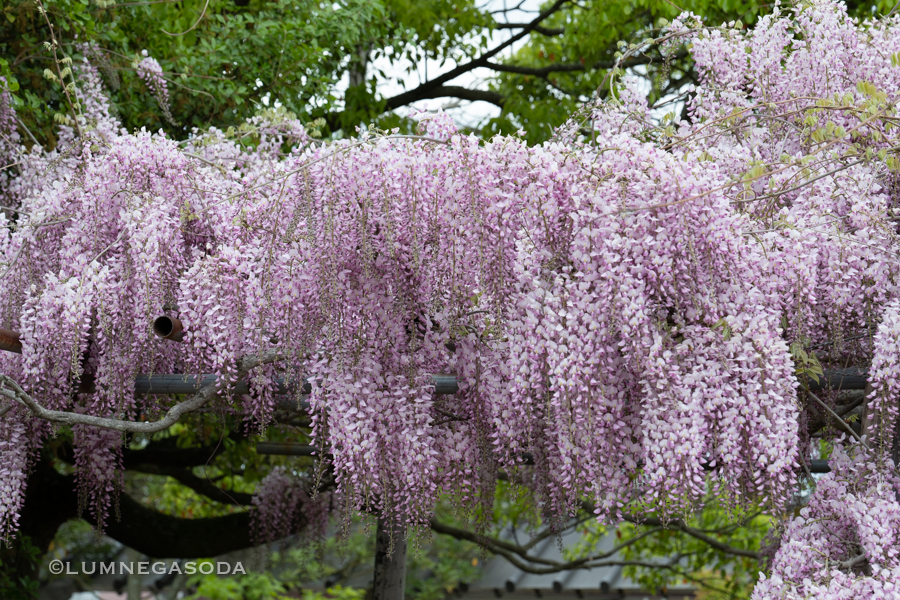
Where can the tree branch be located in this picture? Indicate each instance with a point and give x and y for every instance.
(513, 552)
(542, 30)
(849, 564)
(172, 415)
(200, 485)
(695, 533)
(517, 563)
(164, 536)
(682, 526)
(51, 499)
(422, 91)
(455, 91)
(843, 424)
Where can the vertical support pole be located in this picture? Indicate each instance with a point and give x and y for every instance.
(133, 587)
(390, 571)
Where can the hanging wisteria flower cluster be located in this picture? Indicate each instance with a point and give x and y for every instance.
(629, 306)
(844, 543)
(150, 71)
(284, 507)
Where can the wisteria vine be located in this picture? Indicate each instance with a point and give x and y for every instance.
(635, 306)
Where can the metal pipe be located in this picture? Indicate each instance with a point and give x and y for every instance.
(285, 449)
(839, 379)
(168, 328)
(9, 341)
(445, 384)
(189, 384)
(819, 466)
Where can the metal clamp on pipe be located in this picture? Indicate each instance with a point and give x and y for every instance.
(168, 328)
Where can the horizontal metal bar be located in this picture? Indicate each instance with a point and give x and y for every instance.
(841, 379)
(445, 384)
(171, 328)
(294, 449)
(285, 449)
(189, 384)
(819, 466)
(815, 466)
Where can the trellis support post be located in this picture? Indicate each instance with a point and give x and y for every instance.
(390, 567)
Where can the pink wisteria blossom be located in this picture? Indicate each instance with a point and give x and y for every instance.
(629, 305)
(150, 71)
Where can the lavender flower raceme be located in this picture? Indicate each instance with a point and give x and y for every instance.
(630, 307)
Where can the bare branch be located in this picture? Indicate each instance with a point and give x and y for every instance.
(682, 526)
(846, 409)
(695, 533)
(515, 552)
(542, 30)
(509, 9)
(455, 91)
(423, 91)
(522, 566)
(849, 564)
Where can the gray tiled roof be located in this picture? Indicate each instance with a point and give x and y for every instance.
(502, 580)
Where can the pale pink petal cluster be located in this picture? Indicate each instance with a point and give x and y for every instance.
(618, 306)
(150, 71)
(845, 543)
(14, 449)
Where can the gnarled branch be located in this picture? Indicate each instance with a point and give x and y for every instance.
(695, 533)
(516, 554)
(14, 391)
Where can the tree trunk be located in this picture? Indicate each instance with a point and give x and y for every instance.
(359, 66)
(134, 587)
(390, 561)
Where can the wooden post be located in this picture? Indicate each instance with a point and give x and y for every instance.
(390, 567)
